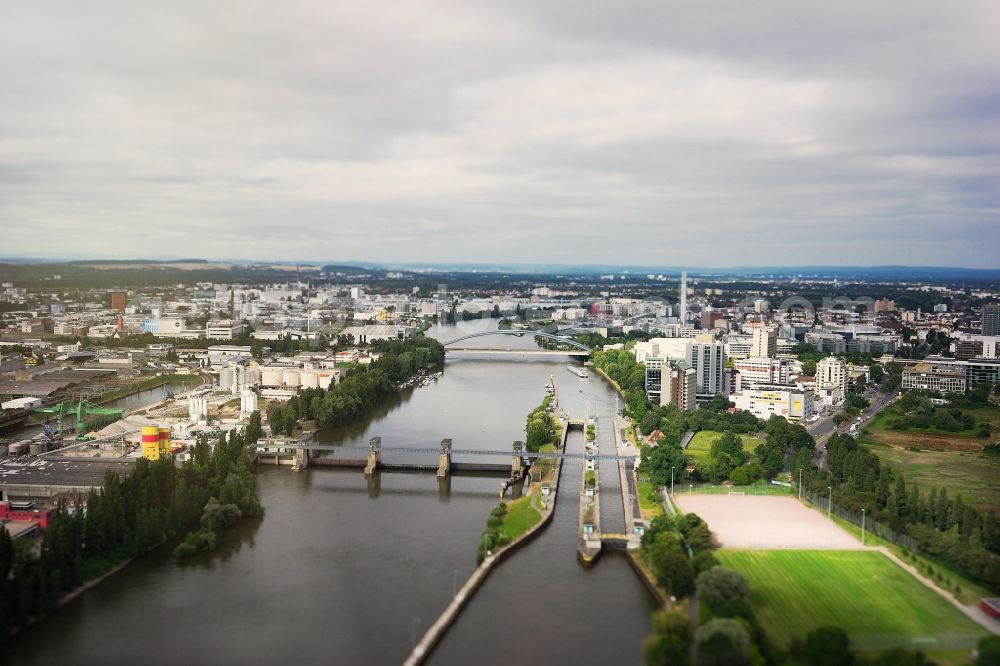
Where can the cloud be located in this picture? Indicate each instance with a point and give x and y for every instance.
(540, 132)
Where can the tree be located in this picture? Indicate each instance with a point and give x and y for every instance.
(989, 651)
(668, 644)
(719, 585)
(723, 642)
(828, 646)
(661, 459)
(730, 443)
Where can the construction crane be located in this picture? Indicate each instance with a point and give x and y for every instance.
(81, 410)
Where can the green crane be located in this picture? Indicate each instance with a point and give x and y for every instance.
(81, 410)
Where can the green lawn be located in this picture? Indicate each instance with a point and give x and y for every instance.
(879, 604)
(701, 444)
(521, 517)
(649, 502)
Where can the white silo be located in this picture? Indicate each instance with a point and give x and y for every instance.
(309, 379)
(291, 378)
(198, 408)
(248, 403)
(253, 377)
(226, 378)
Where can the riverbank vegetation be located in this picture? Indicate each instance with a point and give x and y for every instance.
(542, 427)
(129, 516)
(362, 388)
(493, 537)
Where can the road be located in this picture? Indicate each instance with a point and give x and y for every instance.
(824, 428)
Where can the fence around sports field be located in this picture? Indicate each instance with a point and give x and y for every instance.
(759, 488)
(822, 501)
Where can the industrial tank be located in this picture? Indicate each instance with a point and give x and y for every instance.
(226, 378)
(271, 377)
(309, 380)
(291, 378)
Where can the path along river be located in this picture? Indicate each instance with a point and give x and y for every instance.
(341, 572)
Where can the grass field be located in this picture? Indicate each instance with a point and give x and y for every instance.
(701, 444)
(969, 474)
(879, 604)
(648, 500)
(932, 438)
(521, 517)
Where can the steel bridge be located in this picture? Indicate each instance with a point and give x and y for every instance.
(578, 348)
(534, 455)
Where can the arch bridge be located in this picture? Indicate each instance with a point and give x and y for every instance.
(578, 348)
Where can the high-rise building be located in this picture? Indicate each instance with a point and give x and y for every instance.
(831, 373)
(119, 299)
(765, 342)
(702, 353)
(991, 319)
(708, 357)
(671, 381)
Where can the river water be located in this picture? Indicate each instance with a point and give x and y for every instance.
(346, 571)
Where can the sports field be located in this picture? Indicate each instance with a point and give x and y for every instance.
(701, 444)
(879, 604)
(745, 521)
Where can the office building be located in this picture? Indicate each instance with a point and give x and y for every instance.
(831, 379)
(790, 402)
(991, 319)
(752, 371)
(928, 377)
(765, 342)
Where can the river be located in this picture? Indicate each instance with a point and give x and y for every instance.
(343, 571)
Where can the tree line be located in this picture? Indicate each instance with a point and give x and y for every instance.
(129, 516)
(943, 527)
(362, 388)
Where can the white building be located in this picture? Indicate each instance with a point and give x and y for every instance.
(754, 371)
(739, 346)
(765, 342)
(224, 330)
(792, 403)
(831, 379)
(703, 353)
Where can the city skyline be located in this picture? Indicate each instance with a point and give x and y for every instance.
(488, 131)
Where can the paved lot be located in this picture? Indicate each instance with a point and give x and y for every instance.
(40, 472)
(766, 522)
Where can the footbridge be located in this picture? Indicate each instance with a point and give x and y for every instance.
(576, 348)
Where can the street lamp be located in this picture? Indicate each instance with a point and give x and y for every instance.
(671, 481)
(829, 504)
(862, 527)
(800, 483)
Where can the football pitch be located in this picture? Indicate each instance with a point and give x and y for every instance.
(877, 603)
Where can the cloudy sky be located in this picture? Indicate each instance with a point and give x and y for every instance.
(662, 133)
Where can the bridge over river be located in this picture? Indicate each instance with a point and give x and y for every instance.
(575, 348)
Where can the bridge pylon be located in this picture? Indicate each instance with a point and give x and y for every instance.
(517, 463)
(444, 459)
(374, 455)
